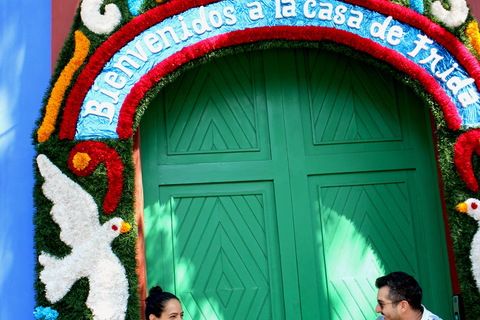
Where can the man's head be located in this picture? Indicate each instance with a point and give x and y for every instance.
(399, 295)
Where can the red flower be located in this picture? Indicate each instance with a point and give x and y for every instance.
(100, 152)
(466, 144)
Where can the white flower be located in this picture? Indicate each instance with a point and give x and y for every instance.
(472, 208)
(455, 17)
(75, 211)
(95, 21)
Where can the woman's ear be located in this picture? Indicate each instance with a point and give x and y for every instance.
(152, 317)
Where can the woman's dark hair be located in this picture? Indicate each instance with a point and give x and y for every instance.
(156, 301)
(402, 287)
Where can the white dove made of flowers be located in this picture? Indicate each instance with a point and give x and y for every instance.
(472, 208)
(91, 256)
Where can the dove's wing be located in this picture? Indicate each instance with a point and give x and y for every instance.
(74, 209)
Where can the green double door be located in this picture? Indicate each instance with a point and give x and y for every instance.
(280, 184)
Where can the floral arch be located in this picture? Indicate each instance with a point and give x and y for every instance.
(120, 54)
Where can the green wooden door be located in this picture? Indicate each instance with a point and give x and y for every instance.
(280, 184)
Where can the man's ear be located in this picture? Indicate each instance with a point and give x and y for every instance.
(404, 306)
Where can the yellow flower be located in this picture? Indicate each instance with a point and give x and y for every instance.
(82, 45)
(81, 160)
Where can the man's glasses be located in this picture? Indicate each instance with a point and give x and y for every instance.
(382, 304)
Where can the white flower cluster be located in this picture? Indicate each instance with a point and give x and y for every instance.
(95, 21)
(472, 207)
(75, 211)
(454, 17)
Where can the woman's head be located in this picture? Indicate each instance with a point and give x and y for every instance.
(161, 305)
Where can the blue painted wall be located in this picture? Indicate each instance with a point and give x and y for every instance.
(24, 74)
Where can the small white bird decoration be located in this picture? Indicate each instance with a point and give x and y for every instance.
(75, 211)
(472, 208)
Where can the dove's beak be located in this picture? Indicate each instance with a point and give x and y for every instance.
(462, 207)
(125, 227)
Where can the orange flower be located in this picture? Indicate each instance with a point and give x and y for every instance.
(82, 45)
(81, 160)
(125, 227)
(474, 35)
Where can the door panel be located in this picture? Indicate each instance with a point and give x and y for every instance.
(223, 247)
(280, 184)
(366, 226)
(349, 102)
(221, 110)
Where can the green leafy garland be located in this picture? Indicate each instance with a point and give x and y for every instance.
(47, 239)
